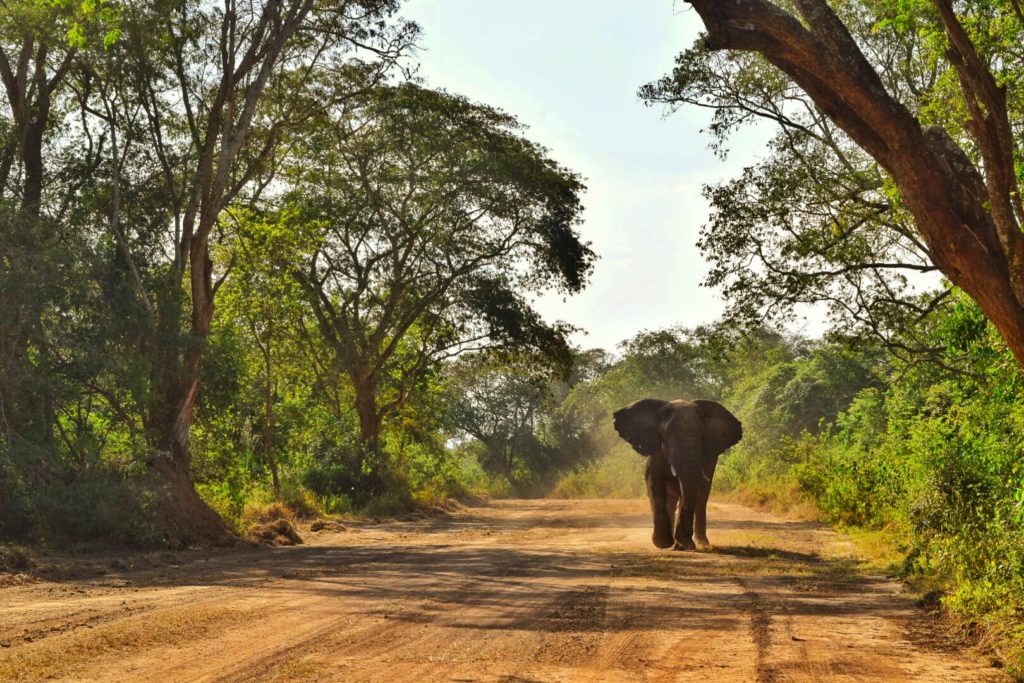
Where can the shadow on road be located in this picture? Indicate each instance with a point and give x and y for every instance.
(540, 586)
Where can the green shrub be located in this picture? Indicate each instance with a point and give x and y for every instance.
(83, 506)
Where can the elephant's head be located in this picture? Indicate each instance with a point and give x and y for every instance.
(683, 440)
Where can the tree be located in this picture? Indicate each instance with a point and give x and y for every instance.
(35, 59)
(501, 404)
(208, 134)
(35, 62)
(575, 422)
(264, 305)
(960, 184)
(669, 363)
(781, 387)
(423, 219)
(817, 220)
(122, 147)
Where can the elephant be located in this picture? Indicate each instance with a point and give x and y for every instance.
(682, 441)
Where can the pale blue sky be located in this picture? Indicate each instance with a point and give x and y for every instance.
(570, 69)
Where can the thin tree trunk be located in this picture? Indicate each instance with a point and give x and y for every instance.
(268, 418)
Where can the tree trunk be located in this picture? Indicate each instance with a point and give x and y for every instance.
(268, 419)
(7, 161)
(25, 397)
(366, 407)
(179, 509)
(508, 464)
(504, 457)
(26, 414)
(952, 203)
(223, 136)
(32, 158)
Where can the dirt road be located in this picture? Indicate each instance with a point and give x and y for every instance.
(514, 591)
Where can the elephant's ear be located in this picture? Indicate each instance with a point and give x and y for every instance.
(721, 428)
(639, 424)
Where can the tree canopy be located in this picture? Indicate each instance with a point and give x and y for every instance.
(415, 222)
(895, 156)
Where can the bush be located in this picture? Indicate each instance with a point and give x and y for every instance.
(333, 480)
(67, 506)
(936, 461)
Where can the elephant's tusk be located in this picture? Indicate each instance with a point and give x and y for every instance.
(673, 468)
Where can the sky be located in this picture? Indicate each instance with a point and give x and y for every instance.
(570, 70)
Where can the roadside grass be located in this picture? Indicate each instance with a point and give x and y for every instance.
(778, 497)
(258, 514)
(620, 474)
(14, 559)
(882, 553)
(273, 523)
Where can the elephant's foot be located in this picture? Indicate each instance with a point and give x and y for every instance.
(702, 541)
(684, 545)
(662, 540)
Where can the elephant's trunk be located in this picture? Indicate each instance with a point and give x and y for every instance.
(685, 460)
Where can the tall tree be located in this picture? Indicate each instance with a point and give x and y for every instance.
(39, 45)
(265, 305)
(35, 59)
(960, 184)
(425, 219)
(209, 132)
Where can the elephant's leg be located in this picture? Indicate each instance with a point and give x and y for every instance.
(700, 516)
(683, 533)
(662, 537)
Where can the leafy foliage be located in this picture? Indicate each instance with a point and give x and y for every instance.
(936, 459)
(413, 224)
(818, 220)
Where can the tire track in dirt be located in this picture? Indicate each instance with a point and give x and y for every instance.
(414, 623)
(760, 632)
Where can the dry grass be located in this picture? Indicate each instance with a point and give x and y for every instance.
(877, 548)
(60, 656)
(274, 524)
(295, 670)
(14, 559)
(785, 500)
